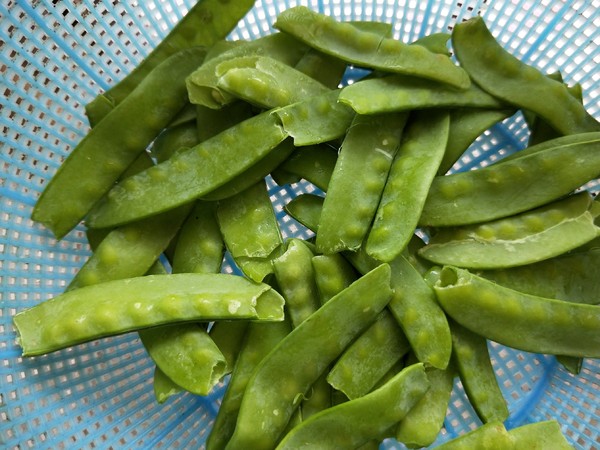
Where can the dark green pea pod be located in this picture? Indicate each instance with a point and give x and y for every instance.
(358, 180)
(533, 177)
(489, 436)
(506, 77)
(211, 122)
(164, 388)
(286, 374)
(540, 436)
(366, 49)
(172, 139)
(136, 303)
(104, 153)
(359, 421)
(521, 321)
(207, 22)
(526, 238)
(394, 93)
(185, 115)
(412, 171)
(314, 163)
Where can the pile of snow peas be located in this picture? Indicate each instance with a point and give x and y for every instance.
(357, 334)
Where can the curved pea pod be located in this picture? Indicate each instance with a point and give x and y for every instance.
(325, 69)
(286, 374)
(412, 171)
(172, 139)
(207, 22)
(522, 321)
(105, 152)
(547, 172)
(202, 84)
(314, 163)
(265, 82)
(190, 174)
(366, 49)
(306, 209)
(211, 122)
(540, 436)
(506, 77)
(136, 303)
(525, 238)
(357, 181)
(489, 436)
(472, 360)
(163, 386)
(356, 422)
(333, 274)
(394, 93)
(435, 42)
(186, 114)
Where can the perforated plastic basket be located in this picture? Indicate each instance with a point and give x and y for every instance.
(57, 55)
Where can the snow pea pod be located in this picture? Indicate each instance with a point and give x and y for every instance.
(540, 436)
(358, 180)
(333, 274)
(172, 139)
(314, 163)
(190, 174)
(548, 171)
(357, 422)
(366, 49)
(522, 321)
(532, 236)
(395, 93)
(104, 153)
(204, 24)
(163, 386)
(506, 77)
(306, 209)
(211, 122)
(435, 42)
(489, 436)
(135, 303)
(412, 171)
(302, 356)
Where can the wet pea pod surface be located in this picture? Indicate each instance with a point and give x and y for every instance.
(407, 248)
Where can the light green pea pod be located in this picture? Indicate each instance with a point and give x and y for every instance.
(190, 174)
(435, 42)
(369, 357)
(164, 388)
(306, 209)
(211, 122)
(396, 93)
(229, 337)
(405, 191)
(250, 230)
(172, 139)
(314, 163)
(521, 321)
(489, 436)
(358, 180)
(472, 360)
(265, 82)
(366, 49)
(136, 303)
(506, 77)
(289, 370)
(333, 274)
(533, 178)
(533, 236)
(540, 436)
(326, 69)
(357, 422)
(202, 84)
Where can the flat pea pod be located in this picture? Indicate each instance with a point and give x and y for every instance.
(356, 422)
(103, 154)
(415, 165)
(358, 180)
(314, 163)
(289, 370)
(525, 238)
(190, 174)
(186, 114)
(395, 93)
(163, 386)
(204, 24)
(540, 436)
(211, 122)
(549, 170)
(521, 321)
(306, 209)
(172, 139)
(366, 49)
(472, 360)
(333, 273)
(506, 77)
(135, 303)
(325, 69)
(489, 436)
(435, 42)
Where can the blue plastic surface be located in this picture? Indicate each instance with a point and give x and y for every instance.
(56, 56)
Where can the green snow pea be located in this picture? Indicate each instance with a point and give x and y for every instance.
(395, 93)
(472, 360)
(333, 274)
(525, 238)
(540, 436)
(358, 180)
(306, 209)
(172, 139)
(326, 69)
(286, 374)
(164, 387)
(506, 77)
(186, 114)
(435, 42)
(104, 153)
(229, 337)
(135, 303)
(314, 163)
(366, 49)
(489, 436)
(522, 321)
(548, 171)
(211, 122)
(357, 422)
(412, 171)
(204, 24)
(190, 174)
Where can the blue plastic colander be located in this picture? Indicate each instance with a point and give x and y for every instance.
(55, 56)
